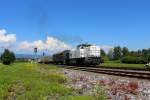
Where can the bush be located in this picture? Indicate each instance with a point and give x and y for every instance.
(7, 57)
(134, 60)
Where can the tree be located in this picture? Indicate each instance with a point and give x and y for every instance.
(125, 51)
(103, 54)
(148, 58)
(139, 52)
(13, 58)
(7, 57)
(144, 53)
(110, 54)
(117, 53)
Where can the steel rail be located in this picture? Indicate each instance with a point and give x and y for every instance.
(118, 72)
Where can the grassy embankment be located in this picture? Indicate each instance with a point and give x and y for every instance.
(119, 65)
(25, 81)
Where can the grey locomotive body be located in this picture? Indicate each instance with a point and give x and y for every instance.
(84, 54)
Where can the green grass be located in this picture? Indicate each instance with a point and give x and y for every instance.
(30, 81)
(25, 81)
(80, 98)
(118, 65)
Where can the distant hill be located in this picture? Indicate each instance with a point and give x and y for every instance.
(26, 56)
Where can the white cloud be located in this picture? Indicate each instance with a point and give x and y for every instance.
(7, 38)
(51, 44)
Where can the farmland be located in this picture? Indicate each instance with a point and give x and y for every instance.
(25, 81)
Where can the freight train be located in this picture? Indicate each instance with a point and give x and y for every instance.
(84, 54)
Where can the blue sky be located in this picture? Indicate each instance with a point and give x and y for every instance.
(101, 22)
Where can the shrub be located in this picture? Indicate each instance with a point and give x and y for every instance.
(134, 60)
(7, 57)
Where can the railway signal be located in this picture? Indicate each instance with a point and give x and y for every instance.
(35, 51)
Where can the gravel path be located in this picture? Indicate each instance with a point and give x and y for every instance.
(115, 87)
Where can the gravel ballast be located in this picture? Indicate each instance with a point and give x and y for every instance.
(114, 87)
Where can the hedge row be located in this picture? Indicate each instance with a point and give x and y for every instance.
(134, 60)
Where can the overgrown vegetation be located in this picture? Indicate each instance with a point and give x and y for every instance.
(26, 81)
(30, 81)
(134, 60)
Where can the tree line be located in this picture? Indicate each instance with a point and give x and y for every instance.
(126, 56)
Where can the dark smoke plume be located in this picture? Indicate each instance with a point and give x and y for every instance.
(38, 13)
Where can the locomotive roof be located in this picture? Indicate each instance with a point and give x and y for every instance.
(83, 45)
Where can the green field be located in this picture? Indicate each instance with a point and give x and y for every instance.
(25, 81)
(118, 65)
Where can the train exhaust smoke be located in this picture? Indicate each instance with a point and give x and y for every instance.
(38, 13)
(40, 16)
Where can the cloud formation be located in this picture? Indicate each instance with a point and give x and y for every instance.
(51, 44)
(6, 38)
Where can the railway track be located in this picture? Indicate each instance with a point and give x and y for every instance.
(118, 72)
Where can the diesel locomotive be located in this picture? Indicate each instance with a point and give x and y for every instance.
(84, 54)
